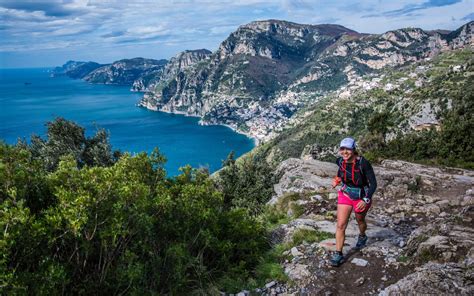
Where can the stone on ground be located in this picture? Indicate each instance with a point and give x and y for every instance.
(360, 262)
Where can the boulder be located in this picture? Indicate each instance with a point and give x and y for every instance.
(294, 252)
(297, 272)
(299, 176)
(435, 279)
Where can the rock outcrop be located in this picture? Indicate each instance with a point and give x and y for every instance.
(435, 279)
(181, 62)
(462, 37)
(184, 61)
(419, 228)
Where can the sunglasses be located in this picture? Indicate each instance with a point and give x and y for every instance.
(345, 148)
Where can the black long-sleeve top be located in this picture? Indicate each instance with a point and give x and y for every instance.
(359, 174)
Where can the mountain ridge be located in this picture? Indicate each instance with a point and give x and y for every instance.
(126, 71)
(266, 71)
(255, 74)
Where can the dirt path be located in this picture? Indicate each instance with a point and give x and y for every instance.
(422, 216)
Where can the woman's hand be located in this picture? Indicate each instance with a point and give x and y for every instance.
(336, 181)
(361, 205)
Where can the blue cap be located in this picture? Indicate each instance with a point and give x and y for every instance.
(348, 143)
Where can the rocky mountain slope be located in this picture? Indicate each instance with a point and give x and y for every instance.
(181, 62)
(75, 69)
(301, 89)
(142, 74)
(125, 72)
(420, 225)
(420, 232)
(378, 108)
(267, 70)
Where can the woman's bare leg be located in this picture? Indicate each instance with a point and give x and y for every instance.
(343, 214)
(360, 217)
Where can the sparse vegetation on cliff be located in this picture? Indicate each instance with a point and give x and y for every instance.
(418, 113)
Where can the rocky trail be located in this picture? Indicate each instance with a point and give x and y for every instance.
(420, 229)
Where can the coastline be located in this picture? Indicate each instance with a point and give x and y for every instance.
(255, 140)
(131, 129)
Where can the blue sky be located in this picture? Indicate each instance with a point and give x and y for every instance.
(36, 33)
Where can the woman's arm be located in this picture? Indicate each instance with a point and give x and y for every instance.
(370, 175)
(337, 179)
(339, 163)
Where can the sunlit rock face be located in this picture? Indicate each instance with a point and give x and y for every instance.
(266, 71)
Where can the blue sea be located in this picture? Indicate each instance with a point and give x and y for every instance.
(30, 97)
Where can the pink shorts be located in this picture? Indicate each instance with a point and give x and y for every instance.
(343, 199)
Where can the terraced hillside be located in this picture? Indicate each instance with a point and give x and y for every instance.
(266, 71)
(429, 96)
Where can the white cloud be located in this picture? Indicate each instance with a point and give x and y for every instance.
(117, 25)
(149, 31)
(41, 46)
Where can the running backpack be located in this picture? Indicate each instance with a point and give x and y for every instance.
(361, 183)
(343, 167)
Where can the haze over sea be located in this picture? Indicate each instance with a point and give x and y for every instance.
(30, 97)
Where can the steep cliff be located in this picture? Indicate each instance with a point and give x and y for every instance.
(181, 62)
(125, 72)
(266, 71)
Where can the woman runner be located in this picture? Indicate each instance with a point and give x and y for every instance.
(358, 186)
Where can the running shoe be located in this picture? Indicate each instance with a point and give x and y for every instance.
(361, 241)
(336, 259)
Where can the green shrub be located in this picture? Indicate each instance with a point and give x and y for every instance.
(273, 217)
(427, 255)
(266, 271)
(310, 236)
(118, 228)
(403, 259)
(246, 184)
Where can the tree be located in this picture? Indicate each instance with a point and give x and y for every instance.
(67, 138)
(247, 183)
(118, 229)
(379, 123)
